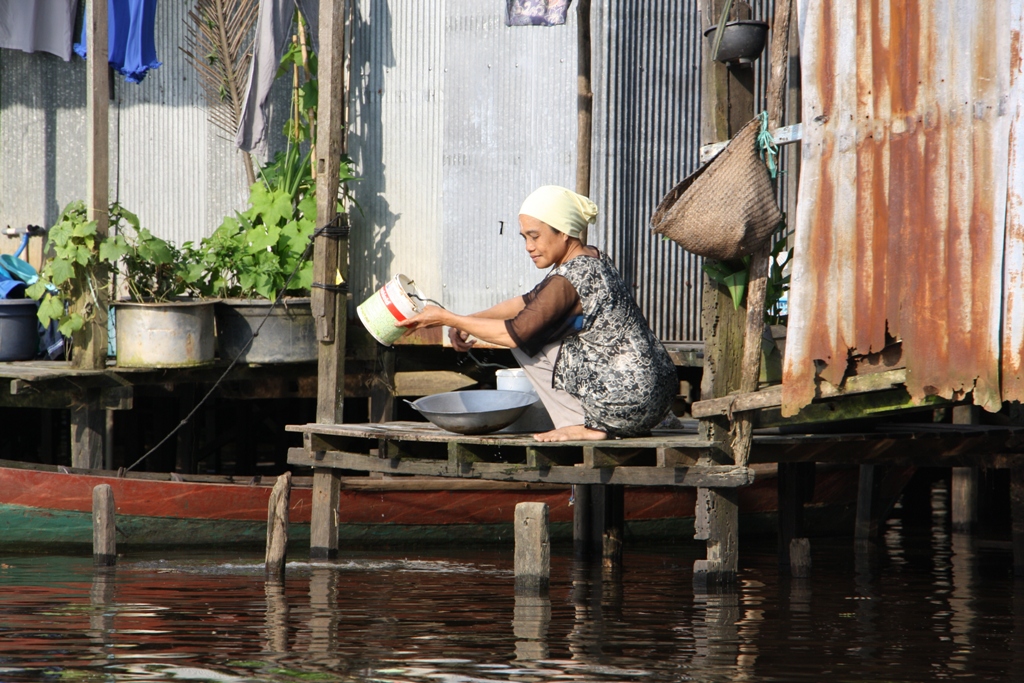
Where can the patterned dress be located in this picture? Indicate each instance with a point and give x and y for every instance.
(614, 365)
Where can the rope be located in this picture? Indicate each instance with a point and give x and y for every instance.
(322, 231)
(766, 145)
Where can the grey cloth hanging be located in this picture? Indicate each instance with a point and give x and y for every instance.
(273, 26)
(38, 26)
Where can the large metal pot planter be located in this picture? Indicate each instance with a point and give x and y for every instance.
(165, 335)
(287, 336)
(19, 329)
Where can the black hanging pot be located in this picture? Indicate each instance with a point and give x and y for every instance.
(742, 42)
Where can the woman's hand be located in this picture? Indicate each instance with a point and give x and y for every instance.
(460, 340)
(432, 316)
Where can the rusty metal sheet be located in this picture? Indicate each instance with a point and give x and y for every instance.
(901, 215)
(1013, 274)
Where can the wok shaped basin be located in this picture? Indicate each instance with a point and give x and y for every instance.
(474, 412)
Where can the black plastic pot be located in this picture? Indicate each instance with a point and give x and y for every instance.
(742, 42)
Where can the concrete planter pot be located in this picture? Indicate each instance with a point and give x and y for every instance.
(165, 335)
(287, 336)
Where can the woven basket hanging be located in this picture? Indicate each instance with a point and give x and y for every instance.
(727, 208)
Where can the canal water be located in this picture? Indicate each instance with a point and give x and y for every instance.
(917, 605)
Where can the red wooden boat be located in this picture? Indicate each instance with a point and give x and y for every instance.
(50, 507)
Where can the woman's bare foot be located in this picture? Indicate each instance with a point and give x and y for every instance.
(572, 433)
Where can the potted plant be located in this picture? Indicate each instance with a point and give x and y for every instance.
(258, 256)
(156, 328)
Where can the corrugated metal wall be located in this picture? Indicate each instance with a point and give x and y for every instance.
(903, 207)
(454, 119)
(167, 164)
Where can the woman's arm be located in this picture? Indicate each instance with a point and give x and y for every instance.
(488, 325)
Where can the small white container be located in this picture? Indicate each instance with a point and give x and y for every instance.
(536, 418)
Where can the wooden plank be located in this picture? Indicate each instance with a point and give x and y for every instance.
(771, 397)
(330, 257)
(718, 476)
(596, 456)
(784, 135)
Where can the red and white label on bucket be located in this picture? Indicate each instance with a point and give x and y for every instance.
(391, 306)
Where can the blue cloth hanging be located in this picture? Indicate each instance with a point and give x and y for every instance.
(131, 44)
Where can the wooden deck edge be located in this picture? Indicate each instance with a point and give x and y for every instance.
(772, 396)
(717, 476)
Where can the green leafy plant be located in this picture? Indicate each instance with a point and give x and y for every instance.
(80, 259)
(734, 275)
(253, 253)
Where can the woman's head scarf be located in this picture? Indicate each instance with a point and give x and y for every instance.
(561, 208)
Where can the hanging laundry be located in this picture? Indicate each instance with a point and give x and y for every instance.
(38, 26)
(131, 42)
(536, 12)
(273, 28)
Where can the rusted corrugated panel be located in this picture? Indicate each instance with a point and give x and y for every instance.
(901, 213)
(1013, 279)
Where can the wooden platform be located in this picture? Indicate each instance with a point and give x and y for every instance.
(679, 458)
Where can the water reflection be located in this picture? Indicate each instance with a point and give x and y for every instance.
(919, 604)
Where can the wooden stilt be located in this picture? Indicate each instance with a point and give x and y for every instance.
(800, 557)
(963, 494)
(795, 487)
(581, 521)
(88, 424)
(184, 461)
(716, 521)
(104, 529)
(533, 548)
(1017, 511)
(277, 525)
(614, 526)
(323, 524)
(867, 523)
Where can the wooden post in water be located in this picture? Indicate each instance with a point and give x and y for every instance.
(277, 525)
(866, 525)
(533, 549)
(727, 104)
(104, 529)
(581, 521)
(330, 267)
(963, 493)
(800, 558)
(1017, 513)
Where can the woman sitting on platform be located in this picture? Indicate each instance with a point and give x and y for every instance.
(587, 349)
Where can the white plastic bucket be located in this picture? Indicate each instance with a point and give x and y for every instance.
(395, 302)
(514, 379)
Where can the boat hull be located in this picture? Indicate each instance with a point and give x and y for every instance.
(48, 508)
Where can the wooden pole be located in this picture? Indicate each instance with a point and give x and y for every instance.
(330, 258)
(533, 549)
(88, 421)
(1017, 518)
(742, 430)
(330, 267)
(584, 100)
(963, 492)
(581, 521)
(727, 104)
(277, 525)
(104, 529)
